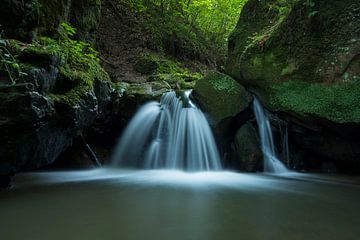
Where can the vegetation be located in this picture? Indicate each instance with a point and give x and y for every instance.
(8, 63)
(163, 68)
(81, 68)
(193, 29)
(338, 102)
(79, 63)
(220, 95)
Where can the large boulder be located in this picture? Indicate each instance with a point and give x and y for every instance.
(227, 106)
(220, 96)
(301, 58)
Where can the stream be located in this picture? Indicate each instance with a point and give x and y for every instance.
(164, 204)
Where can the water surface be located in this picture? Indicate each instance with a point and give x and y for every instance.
(119, 204)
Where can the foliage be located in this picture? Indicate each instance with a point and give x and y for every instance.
(196, 29)
(163, 68)
(8, 61)
(310, 5)
(80, 63)
(330, 102)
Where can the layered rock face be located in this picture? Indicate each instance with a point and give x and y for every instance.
(51, 89)
(301, 58)
(40, 116)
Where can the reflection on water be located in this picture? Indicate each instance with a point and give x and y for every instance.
(119, 204)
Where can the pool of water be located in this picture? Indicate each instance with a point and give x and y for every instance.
(128, 204)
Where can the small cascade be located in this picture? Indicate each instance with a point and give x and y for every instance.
(271, 163)
(285, 147)
(172, 134)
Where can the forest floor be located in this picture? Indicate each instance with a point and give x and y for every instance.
(121, 38)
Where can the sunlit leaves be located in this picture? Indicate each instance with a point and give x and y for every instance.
(210, 20)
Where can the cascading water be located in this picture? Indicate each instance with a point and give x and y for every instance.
(271, 163)
(172, 134)
(285, 146)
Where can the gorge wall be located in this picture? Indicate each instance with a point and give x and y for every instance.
(301, 58)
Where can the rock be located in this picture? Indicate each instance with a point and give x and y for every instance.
(49, 105)
(227, 106)
(248, 148)
(35, 131)
(161, 68)
(301, 58)
(220, 96)
(128, 98)
(21, 104)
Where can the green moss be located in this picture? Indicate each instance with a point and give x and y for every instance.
(158, 64)
(165, 69)
(289, 69)
(80, 67)
(179, 80)
(224, 84)
(220, 95)
(339, 103)
(10, 66)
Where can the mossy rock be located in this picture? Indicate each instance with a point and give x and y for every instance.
(161, 68)
(178, 81)
(248, 148)
(61, 91)
(300, 56)
(127, 98)
(149, 90)
(221, 96)
(153, 63)
(78, 68)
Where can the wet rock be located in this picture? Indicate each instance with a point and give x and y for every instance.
(301, 60)
(248, 148)
(220, 96)
(300, 57)
(35, 129)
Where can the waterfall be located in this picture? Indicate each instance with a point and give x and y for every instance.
(271, 163)
(285, 147)
(172, 134)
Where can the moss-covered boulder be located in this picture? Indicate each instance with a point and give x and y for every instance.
(220, 96)
(300, 56)
(161, 68)
(50, 91)
(302, 60)
(127, 98)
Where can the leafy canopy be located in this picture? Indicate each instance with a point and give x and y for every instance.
(205, 24)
